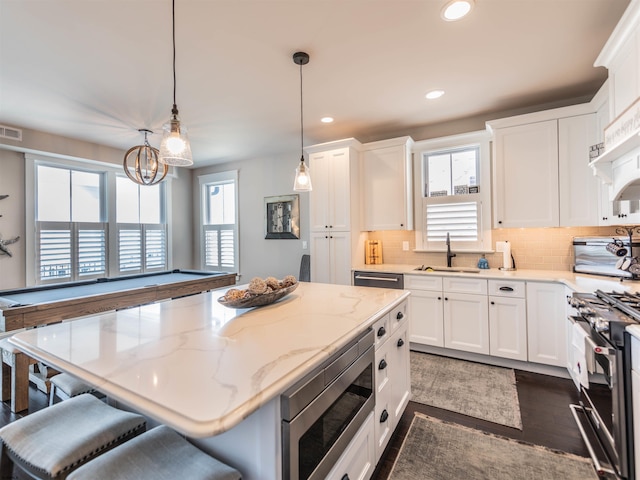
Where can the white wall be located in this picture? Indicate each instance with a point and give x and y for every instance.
(12, 271)
(259, 178)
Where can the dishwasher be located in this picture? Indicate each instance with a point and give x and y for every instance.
(378, 279)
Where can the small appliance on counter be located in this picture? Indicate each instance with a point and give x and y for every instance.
(592, 255)
(372, 252)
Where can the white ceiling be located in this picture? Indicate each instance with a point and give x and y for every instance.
(99, 70)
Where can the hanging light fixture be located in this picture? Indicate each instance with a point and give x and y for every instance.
(302, 182)
(175, 148)
(145, 163)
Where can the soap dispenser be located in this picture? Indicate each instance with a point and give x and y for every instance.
(483, 263)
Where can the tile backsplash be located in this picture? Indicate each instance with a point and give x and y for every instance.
(532, 248)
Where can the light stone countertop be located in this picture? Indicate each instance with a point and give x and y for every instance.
(578, 282)
(202, 368)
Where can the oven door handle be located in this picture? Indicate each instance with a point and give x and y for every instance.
(599, 349)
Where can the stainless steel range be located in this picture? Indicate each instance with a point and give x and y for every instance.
(599, 330)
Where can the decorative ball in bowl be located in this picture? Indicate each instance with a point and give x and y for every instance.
(260, 292)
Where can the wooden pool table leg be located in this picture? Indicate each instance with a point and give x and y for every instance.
(15, 376)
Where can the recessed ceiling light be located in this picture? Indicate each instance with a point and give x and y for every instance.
(456, 9)
(434, 94)
(326, 119)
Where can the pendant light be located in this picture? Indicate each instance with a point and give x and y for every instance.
(302, 182)
(145, 163)
(175, 148)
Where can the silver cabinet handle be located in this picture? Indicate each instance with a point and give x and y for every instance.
(384, 279)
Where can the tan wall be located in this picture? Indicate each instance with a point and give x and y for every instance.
(532, 248)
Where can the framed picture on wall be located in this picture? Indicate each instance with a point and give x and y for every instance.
(282, 217)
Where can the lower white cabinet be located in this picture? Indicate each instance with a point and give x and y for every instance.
(425, 309)
(466, 322)
(358, 461)
(507, 320)
(635, 398)
(392, 381)
(332, 254)
(546, 323)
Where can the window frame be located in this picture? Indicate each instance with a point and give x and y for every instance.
(204, 182)
(108, 213)
(480, 139)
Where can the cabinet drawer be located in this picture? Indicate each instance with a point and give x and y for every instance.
(381, 330)
(358, 459)
(423, 282)
(508, 288)
(398, 316)
(465, 285)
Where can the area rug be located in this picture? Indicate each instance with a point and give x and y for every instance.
(438, 450)
(473, 389)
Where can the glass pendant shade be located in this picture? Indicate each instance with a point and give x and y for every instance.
(302, 182)
(175, 148)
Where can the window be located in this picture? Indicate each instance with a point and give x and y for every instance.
(454, 193)
(141, 230)
(71, 235)
(219, 221)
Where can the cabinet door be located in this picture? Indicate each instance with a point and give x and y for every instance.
(546, 323)
(386, 195)
(426, 318)
(340, 199)
(340, 257)
(508, 327)
(383, 419)
(578, 185)
(358, 460)
(401, 383)
(320, 168)
(320, 252)
(526, 175)
(466, 322)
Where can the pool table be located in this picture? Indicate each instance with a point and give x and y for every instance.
(41, 305)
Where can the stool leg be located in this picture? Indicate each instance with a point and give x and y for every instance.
(5, 387)
(52, 394)
(6, 464)
(20, 383)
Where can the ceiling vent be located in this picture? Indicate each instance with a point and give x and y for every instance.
(10, 133)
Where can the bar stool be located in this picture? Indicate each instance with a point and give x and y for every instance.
(66, 386)
(15, 376)
(51, 443)
(159, 454)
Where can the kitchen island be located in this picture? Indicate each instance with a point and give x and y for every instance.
(204, 369)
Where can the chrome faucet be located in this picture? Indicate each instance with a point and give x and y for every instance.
(449, 254)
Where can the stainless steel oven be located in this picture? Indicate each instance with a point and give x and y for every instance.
(323, 412)
(605, 421)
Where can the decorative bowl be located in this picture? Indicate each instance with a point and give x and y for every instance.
(258, 300)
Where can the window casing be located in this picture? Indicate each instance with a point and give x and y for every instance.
(453, 192)
(80, 210)
(219, 221)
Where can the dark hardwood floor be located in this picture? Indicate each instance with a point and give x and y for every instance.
(544, 408)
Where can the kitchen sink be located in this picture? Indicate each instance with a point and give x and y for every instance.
(425, 268)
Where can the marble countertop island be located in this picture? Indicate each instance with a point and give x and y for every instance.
(202, 368)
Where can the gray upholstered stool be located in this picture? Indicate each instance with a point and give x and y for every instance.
(159, 454)
(54, 441)
(66, 386)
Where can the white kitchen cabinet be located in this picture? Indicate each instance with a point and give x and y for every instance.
(507, 320)
(526, 175)
(578, 186)
(332, 254)
(387, 193)
(546, 323)
(357, 462)
(466, 322)
(334, 210)
(426, 309)
(466, 314)
(542, 176)
(392, 385)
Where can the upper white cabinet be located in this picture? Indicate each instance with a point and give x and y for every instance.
(526, 175)
(387, 194)
(541, 169)
(334, 209)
